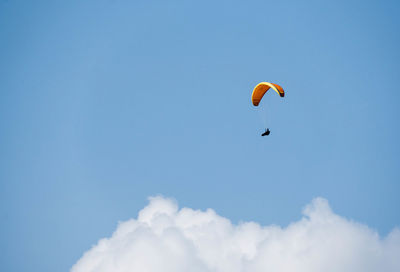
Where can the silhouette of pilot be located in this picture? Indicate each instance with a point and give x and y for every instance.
(266, 133)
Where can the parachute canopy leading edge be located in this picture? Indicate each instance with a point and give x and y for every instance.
(262, 88)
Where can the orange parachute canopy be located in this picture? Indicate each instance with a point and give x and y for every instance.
(262, 88)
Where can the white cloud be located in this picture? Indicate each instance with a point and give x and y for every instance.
(166, 239)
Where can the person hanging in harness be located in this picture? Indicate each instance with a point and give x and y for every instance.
(266, 133)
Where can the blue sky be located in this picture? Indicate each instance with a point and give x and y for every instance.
(105, 103)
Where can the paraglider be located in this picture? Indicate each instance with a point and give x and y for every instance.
(266, 133)
(258, 93)
(262, 88)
